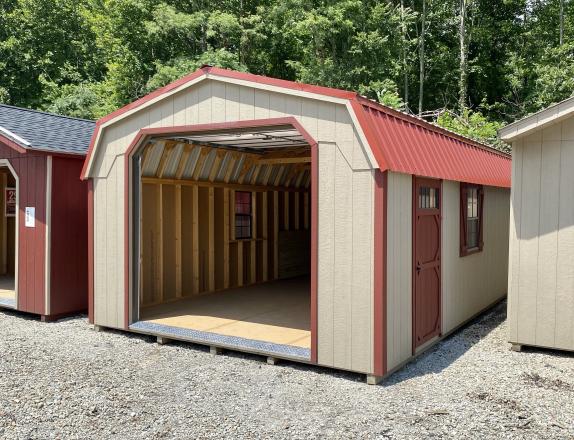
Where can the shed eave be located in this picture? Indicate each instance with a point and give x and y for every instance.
(537, 121)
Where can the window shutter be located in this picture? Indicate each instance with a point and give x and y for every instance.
(480, 217)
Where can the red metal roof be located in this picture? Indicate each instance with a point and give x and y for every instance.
(399, 142)
(412, 146)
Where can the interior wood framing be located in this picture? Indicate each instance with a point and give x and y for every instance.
(188, 219)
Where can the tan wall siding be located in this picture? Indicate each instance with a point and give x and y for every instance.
(541, 303)
(345, 262)
(345, 312)
(471, 283)
(399, 274)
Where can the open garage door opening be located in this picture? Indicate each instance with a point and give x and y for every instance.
(225, 238)
(8, 203)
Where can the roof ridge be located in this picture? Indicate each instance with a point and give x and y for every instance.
(47, 113)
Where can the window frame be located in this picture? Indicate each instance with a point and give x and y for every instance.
(243, 215)
(464, 190)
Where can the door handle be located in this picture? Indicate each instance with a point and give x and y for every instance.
(419, 267)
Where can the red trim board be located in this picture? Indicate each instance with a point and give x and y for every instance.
(380, 275)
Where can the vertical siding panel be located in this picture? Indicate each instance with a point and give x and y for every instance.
(309, 117)
(204, 95)
(528, 279)
(191, 102)
(399, 269)
(246, 103)
(231, 102)
(326, 123)
(391, 271)
(548, 243)
(564, 301)
(39, 233)
(343, 262)
(344, 132)
(179, 109)
(261, 104)
(217, 102)
(119, 287)
(276, 105)
(361, 271)
(100, 251)
(514, 247)
(294, 107)
(326, 257)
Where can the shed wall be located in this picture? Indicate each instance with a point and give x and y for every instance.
(541, 280)
(68, 237)
(399, 273)
(345, 208)
(472, 283)
(31, 170)
(469, 284)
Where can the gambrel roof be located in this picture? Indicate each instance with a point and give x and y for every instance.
(397, 141)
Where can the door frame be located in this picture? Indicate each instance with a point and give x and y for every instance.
(5, 163)
(436, 183)
(132, 213)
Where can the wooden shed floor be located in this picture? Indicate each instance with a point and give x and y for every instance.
(7, 287)
(277, 312)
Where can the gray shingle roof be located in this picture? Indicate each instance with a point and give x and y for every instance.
(46, 131)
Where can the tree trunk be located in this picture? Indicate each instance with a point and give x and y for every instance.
(422, 57)
(404, 49)
(561, 22)
(463, 78)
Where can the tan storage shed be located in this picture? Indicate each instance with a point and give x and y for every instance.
(541, 277)
(293, 221)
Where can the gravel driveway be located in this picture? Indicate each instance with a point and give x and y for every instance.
(64, 380)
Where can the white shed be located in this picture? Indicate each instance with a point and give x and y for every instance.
(541, 279)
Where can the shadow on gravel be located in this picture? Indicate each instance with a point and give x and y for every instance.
(20, 315)
(447, 351)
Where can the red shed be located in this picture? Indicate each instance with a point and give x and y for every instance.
(43, 226)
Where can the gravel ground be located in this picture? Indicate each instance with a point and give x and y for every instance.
(64, 380)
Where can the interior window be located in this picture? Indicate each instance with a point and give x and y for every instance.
(242, 215)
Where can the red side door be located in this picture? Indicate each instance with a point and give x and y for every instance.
(426, 260)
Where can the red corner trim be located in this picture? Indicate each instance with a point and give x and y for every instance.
(380, 276)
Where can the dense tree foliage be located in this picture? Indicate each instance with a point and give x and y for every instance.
(470, 65)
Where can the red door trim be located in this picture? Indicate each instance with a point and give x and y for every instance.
(138, 141)
(436, 184)
(380, 275)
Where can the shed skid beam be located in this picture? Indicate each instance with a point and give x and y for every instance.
(272, 360)
(516, 347)
(162, 340)
(98, 328)
(373, 379)
(215, 350)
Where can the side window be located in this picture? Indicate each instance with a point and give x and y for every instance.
(471, 224)
(242, 215)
